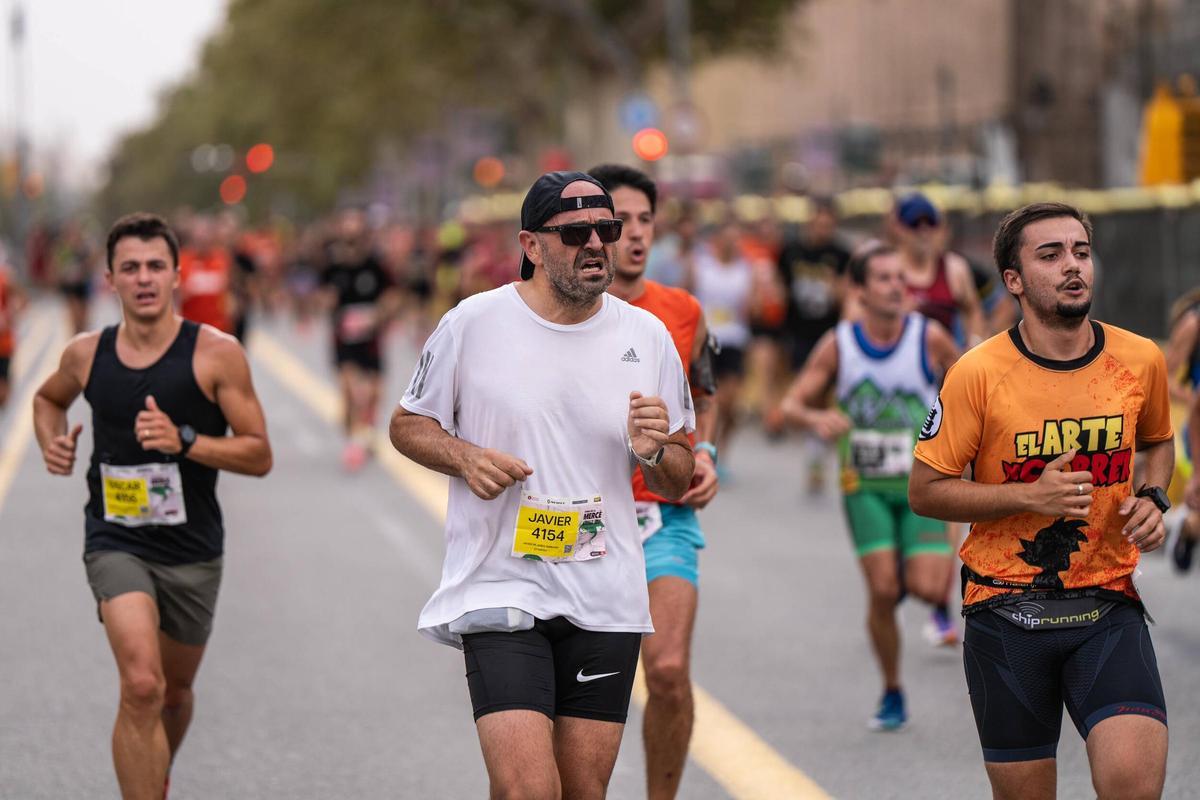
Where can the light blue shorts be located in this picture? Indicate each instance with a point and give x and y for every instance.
(675, 548)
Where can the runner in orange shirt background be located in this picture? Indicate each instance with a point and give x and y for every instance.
(671, 534)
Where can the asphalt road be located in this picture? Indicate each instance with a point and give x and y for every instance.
(317, 685)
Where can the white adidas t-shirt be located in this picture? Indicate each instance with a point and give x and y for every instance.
(496, 374)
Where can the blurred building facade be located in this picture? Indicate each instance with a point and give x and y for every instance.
(880, 92)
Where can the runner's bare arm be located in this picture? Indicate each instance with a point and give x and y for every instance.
(673, 474)
(220, 364)
(55, 396)
(968, 299)
(1056, 493)
(487, 472)
(647, 425)
(941, 347)
(703, 487)
(803, 405)
(1183, 340)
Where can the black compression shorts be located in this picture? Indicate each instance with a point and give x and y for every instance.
(556, 668)
(4, 367)
(366, 355)
(1020, 679)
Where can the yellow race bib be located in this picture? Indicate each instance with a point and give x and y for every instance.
(556, 529)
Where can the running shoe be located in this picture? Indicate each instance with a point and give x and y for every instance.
(940, 630)
(891, 715)
(354, 456)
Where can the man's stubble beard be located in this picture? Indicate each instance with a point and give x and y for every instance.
(1064, 316)
(570, 290)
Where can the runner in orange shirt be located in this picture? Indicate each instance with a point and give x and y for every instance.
(1052, 414)
(204, 278)
(671, 535)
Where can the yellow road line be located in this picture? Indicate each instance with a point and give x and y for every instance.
(21, 430)
(31, 343)
(724, 746)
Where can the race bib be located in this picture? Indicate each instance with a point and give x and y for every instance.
(557, 529)
(144, 494)
(720, 316)
(881, 454)
(649, 517)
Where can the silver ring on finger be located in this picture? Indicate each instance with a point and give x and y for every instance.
(1079, 488)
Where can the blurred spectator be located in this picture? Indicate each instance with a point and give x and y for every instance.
(74, 258)
(723, 281)
(813, 269)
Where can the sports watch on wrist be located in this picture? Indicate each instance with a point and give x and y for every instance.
(1156, 495)
(187, 438)
(652, 461)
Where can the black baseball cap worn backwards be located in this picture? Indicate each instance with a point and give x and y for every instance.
(545, 199)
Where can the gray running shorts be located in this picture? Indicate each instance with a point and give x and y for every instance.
(186, 594)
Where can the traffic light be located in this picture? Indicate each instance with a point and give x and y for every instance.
(233, 190)
(650, 144)
(260, 158)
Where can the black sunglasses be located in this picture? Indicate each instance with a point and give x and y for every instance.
(577, 234)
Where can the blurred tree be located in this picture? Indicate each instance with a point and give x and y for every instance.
(330, 84)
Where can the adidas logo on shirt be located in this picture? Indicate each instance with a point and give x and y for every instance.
(631, 356)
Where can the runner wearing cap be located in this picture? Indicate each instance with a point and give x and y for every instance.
(163, 392)
(671, 533)
(939, 281)
(1055, 415)
(941, 286)
(539, 399)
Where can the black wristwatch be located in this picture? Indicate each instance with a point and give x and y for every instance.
(1156, 495)
(187, 438)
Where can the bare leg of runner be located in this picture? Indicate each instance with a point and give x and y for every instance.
(729, 389)
(925, 576)
(518, 750)
(140, 750)
(586, 751)
(1023, 780)
(883, 589)
(1128, 755)
(667, 722)
(180, 662)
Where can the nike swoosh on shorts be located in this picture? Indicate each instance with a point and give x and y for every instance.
(585, 678)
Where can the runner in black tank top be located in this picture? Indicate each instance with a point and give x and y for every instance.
(154, 534)
(117, 394)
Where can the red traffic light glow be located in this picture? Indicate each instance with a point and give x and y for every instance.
(488, 172)
(260, 158)
(233, 190)
(650, 144)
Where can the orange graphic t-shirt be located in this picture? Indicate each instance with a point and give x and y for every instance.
(1008, 412)
(680, 312)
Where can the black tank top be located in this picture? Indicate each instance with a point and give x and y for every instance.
(117, 393)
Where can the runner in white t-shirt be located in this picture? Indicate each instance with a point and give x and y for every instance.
(539, 399)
